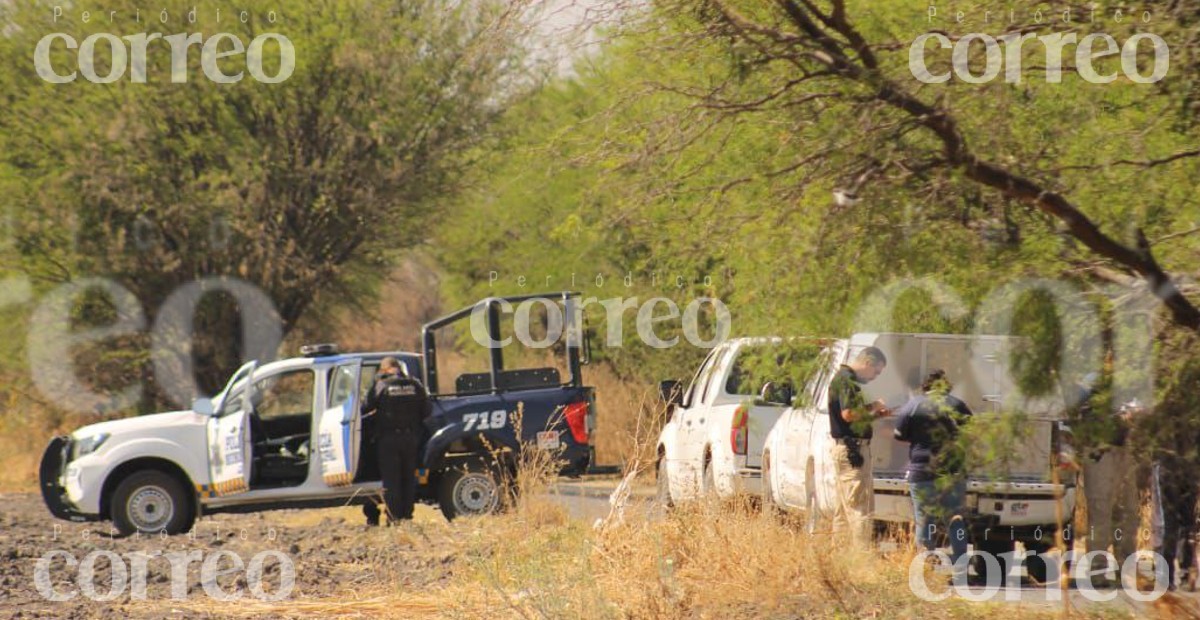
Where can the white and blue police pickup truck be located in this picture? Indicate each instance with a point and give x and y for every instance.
(290, 434)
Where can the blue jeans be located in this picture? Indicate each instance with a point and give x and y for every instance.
(934, 505)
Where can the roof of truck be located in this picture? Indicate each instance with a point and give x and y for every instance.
(874, 336)
(371, 355)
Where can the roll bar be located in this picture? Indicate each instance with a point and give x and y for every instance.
(572, 326)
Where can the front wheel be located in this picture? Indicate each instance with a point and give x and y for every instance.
(151, 502)
(469, 489)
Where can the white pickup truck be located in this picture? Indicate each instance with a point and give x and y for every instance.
(284, 434)
(1007, 502)
(291, 434)
(712, 442)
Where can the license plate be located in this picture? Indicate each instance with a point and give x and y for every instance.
(548, 440)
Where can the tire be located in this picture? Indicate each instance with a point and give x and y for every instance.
(708, 484)
(470, 489)
(769, 505)
(1035, 566)
(151, 502)
(810, 500)
(995, 548)
(663, 484)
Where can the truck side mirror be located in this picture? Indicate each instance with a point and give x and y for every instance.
(203, 406)
(670, 392)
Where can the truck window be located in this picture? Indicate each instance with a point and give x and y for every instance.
(689, 397)
(284, 395)
(820, 386)
(712, 371)
(232, 403)
(341, 385)
(784, 363)
(366, 379)
(740, 381)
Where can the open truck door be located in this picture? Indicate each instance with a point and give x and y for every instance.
(340, 428)
(229, 442)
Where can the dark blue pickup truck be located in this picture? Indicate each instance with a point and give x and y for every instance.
(473, 434)
(289, 433)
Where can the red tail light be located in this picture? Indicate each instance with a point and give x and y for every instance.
(739, 432)
(576, 415)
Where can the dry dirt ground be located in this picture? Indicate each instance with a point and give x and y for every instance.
(336, 558)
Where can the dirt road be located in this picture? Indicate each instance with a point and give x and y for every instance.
(333, 558)
(331, 553)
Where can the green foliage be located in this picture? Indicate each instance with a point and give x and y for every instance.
(307, 189)
(680, 150)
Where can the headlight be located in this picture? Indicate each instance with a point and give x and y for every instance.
(87, 445)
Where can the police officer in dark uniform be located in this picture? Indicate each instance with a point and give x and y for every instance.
(400, 405)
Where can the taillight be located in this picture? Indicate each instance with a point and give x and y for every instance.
(739, 432)
(576, 416)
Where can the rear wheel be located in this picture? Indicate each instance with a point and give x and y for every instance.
(150, 502)
(1036, 566)
(663, 495)
(708, 486)
(770, 506)
(469, 489)
(984, 568)
(810, 499)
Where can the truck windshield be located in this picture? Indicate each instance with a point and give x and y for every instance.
(780, 362)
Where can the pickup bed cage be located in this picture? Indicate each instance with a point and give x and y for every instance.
(497, 379)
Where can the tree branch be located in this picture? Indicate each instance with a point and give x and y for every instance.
(816, 27)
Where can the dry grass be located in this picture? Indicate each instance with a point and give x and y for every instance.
(626, 412)
(26, 425)
(703, 561)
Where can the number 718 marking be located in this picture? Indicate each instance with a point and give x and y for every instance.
(484, 420)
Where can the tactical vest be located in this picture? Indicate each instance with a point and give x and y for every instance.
(401, 404)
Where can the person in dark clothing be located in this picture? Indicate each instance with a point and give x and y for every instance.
(400, 406)
(850, 426)
(1110, 488)
(936, 474)
(1174, 492)
(1177, 491)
